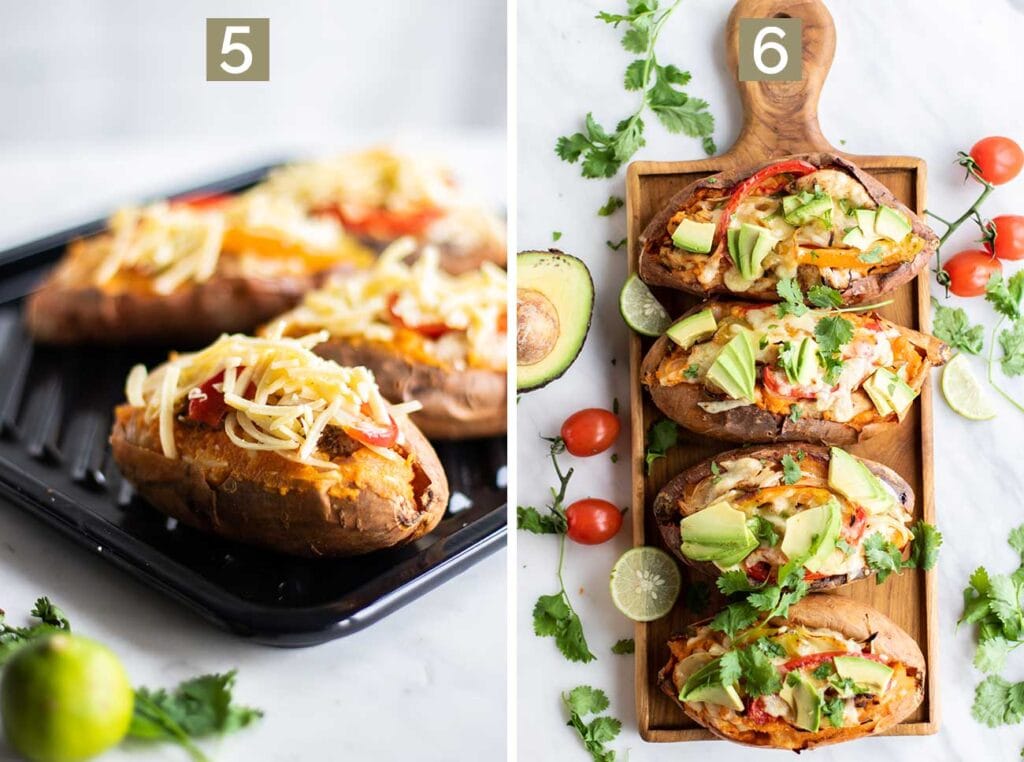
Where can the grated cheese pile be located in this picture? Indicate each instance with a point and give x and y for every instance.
(171, 243)
(297, 395)
(471, 305)
(258, 213)
(379, 178)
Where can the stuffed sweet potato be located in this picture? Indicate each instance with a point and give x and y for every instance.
(381, 195)
(771, 510)
(426, 335)
(744, 372)
(264, 442)
(187, 271)
(832, 670)
(815, 218)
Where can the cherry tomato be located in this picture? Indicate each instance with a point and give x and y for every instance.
(430, 330)
(593, 521)
(1009, 236)
(756, 712)
(759, 572)
(208, 405)
(377, 436)
(969, 272)
(999, 159)
(590, 431)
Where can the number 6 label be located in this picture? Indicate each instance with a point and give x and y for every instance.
(771, 49)
(237, 50)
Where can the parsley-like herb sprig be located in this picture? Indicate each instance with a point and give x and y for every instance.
(582, 701)
(51, 620)
(604, 152)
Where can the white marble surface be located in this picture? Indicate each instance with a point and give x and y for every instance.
(427, 682)
(921, 79)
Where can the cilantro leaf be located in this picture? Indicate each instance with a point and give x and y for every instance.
(792, 297)
(51, 620)
(616, 246)
(882, 556)
(734, 617)
(954, 327)
(991, 654)
(832, 333)
(584, 700)
(924, 548)
(997, 702)
(729, 668)
(554, 617)
(763, 530)
(49, 613)
(734, 581)
(824, 296)
(529, 519)
(1011, 340)
(624, 646)
(662, 437)
(834, 709)
(1005, 294)
(759, 674)
(1017, 540)
(791, 472)
(613, 204)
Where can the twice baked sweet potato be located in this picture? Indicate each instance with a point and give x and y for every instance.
(819, 688)
(852, 360)
(263, 442)
(813, 217)
(789, 495)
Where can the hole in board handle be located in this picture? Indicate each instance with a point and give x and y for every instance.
(782, 16)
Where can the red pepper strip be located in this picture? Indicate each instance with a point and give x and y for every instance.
(201, 200)
(853, 532)
(372, 434)
(209, 407)
(796, 167)
(756, 713)
(813, 660)
(759, 572)
(381, 224)
(430, 330)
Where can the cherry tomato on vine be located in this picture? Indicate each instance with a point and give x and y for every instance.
(969, 272)
(999, 159)
(1009, 236)
(593, 521)
(590, 431)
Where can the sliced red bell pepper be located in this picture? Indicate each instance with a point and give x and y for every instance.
(430, 330)
(796, 167)
(381, 224)
(813, 660)
(759, 572)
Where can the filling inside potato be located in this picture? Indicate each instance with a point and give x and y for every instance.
(418, 311)
(856, 369)
(785, 218)
(772, 679)
(801, 513)
(271, 394)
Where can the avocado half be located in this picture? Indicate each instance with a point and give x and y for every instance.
(554, 302)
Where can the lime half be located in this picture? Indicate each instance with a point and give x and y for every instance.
(645, 584)
(641, 311)
(963, 392)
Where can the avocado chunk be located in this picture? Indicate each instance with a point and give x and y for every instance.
(694, 236)
(733, 370)
(806, 701)
(871, 675)
(762, 248)
(891, 224)
(853, 480)
(806, 361)
(554, 302)
(817, 207)
(692, 328)
(706, 685)
(789, 203)
(889, 392)
(718, 532)
(811, 534)
(866, 222)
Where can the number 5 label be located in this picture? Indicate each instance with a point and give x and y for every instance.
(237, 50)
(771, 49)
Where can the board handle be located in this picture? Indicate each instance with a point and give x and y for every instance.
(781, 118)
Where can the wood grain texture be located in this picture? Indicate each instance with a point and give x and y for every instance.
(780, 119)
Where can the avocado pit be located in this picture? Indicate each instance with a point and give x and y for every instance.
(536, 326)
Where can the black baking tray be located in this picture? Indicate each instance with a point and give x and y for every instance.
(55, 416)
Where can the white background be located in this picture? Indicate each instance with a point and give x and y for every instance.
(913, 78)
(103, 101)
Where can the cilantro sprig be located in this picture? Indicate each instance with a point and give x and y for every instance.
(584, 700)
(51, 620)
(661, 88)
(761, 602)
(884, 558)
(553, 615)
(954, 327)
(663, 436)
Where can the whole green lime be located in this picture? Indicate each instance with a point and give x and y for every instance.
(65, 698)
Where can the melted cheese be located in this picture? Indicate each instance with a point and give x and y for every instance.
(365, 305)
(280, 396)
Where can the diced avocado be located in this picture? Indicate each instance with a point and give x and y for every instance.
(762, 248)
(811, 534)
(688, 666)
(866, 222)
(694, 236)
(732, 237)
(866, 673)
(856, 239)
(789, 203)
(889, 392)
(813, 209)
(786, 694)
(706, 685)
(807, 703)
(807, 361)
(733, 371)
(748, 237)
(692, 328)
(717, 525)
(851, 478)
(891, 224)
(730, 559)
(554, 301)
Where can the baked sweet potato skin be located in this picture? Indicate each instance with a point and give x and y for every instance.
(261, 499)
(854, 619)
(654, 272)
(750, 423)
(670, 504)
(456, 404)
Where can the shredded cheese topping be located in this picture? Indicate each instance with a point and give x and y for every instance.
(373, 304)
(171, 243)
(259, 213)
(279, 395)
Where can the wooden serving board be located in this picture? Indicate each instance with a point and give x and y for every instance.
(780, 118)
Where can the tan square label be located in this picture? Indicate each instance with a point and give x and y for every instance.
(771, 49)
(237, 50)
